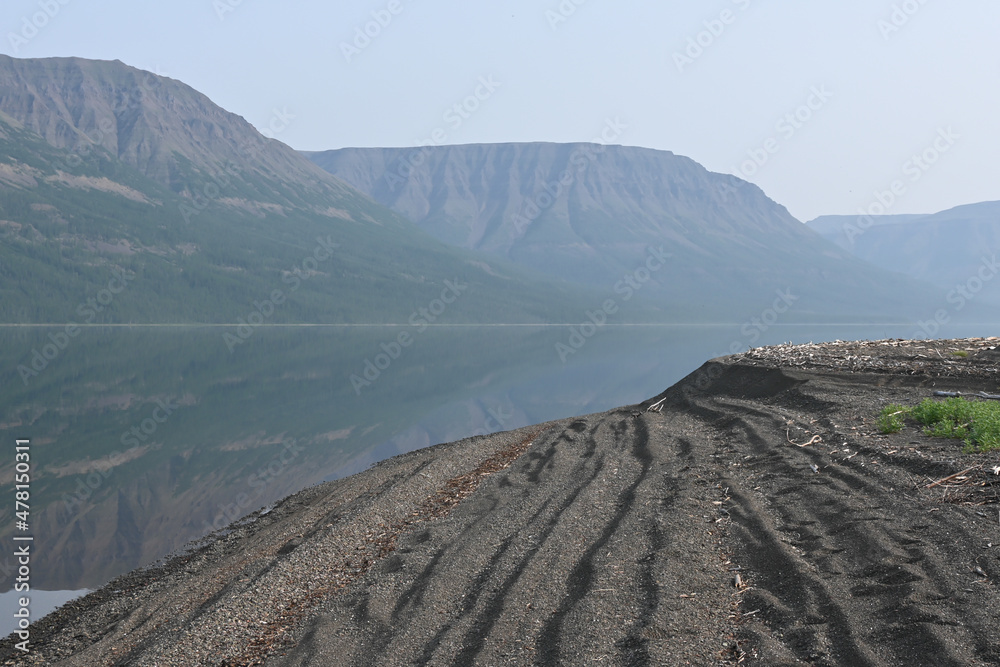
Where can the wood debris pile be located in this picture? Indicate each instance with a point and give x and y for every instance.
(968, 357)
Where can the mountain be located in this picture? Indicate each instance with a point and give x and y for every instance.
(165, 129)
(953, 249)
(111, 170)
(590, 213)
(128, 197)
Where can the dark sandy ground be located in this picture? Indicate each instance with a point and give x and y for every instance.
(703, 533)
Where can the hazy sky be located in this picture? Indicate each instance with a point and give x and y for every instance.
(728, 83)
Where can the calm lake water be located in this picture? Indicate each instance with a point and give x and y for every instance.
(143, 439)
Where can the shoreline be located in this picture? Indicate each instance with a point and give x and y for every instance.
(704, 532)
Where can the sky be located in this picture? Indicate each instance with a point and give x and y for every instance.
(885, 106)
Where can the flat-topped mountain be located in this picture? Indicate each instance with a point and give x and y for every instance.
(589, 212)
(107, 170)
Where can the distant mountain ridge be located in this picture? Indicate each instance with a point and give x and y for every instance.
(955, 249)
(107, 168)
(590, 212)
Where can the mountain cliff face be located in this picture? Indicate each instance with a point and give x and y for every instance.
(589, 213)
(955, 250)
(163, 128)
(495, 196)
(106, 169)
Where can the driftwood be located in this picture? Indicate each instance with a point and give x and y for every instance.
(656, 407)
(949, 477)
(956, 394)
(811, 441)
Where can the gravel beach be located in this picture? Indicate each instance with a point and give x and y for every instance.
(751, 514)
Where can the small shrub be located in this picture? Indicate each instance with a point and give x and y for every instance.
(890, 420)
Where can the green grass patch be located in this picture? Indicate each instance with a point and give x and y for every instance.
(960, 353)
(977, 423)
(890, 420)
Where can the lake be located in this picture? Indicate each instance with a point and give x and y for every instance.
(144, 438)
